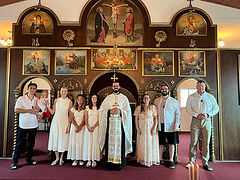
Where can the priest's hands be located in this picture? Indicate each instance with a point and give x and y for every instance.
(91, 129)
(115, 111)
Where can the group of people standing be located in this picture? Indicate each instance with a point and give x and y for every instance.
(87, 132)
(74, 129)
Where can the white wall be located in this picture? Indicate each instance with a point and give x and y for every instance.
(161, 12)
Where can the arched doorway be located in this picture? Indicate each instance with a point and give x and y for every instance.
(102, 86)
(126, 83)
(185, 88)
(43, 85)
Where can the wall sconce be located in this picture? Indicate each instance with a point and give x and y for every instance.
(221, 43)
(7, 42)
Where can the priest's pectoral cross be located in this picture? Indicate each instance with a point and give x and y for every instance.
(116, 105)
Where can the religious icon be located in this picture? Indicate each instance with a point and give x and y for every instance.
(70, 62)
(129, 25)
(101, 26)
(37, 22)
(114, 58)
(158, 63)
(37, 25)
(115, 13)
(114, 21)
(36, 62)
(191, 24)
(192, 63)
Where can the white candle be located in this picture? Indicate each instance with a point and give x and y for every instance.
(197, 172)
(193, 172)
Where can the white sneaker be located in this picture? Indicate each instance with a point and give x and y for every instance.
(94, 164)
(81, 163)
(54, 163)
(88, 164)
(75, 163)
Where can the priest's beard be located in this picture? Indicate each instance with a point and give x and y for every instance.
(116, 90)
(164, 93)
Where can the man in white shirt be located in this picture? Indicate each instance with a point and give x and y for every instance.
(169, 119)
(201, 106)
(27, 108)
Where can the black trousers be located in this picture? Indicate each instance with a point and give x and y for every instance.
(21, 138)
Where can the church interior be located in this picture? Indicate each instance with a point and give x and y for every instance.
(56, 44)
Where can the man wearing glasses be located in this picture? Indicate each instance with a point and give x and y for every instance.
(169, 119)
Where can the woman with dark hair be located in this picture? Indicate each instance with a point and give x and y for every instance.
(76, 138)
(147, 150)
(91, 152)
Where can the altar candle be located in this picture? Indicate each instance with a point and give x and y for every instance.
(197, 172)
(193, 172)
(189, 172)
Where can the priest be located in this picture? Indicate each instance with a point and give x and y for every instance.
(115, 128)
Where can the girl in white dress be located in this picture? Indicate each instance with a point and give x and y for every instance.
(76, 138)
(147, 150)
(58, 137)
(91, 150)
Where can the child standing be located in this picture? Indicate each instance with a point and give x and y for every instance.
(91, 151)
(76, 139)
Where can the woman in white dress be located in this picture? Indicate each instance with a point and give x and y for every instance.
(58, 138)
(76, 138)
(147, 151)
(91, 152)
